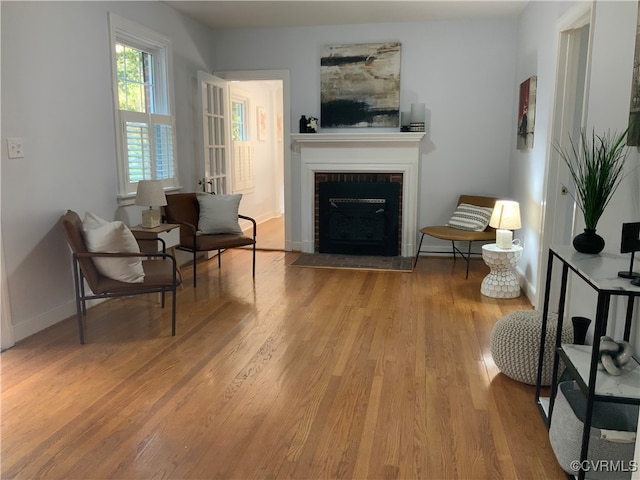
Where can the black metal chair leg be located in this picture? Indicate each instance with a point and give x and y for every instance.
(453, 249)
(254, 259)
(194, 268)
(468, 259)
(219, 258)
(415, 262)
(77, 279)
(173, 306)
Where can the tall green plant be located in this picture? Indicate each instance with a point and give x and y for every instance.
(597, 167)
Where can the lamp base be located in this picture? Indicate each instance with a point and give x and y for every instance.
(504, 239)
(150, 218)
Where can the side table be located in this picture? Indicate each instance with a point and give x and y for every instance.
(501, 281)
(147, 238)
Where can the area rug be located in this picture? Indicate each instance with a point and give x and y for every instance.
(354, 262)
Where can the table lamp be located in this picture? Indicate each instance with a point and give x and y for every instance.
(505, 218)
(150, 194)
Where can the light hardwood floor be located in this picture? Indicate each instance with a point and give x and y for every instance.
(303, 373)
(270, 234)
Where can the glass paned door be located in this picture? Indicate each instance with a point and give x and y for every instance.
(215, 159)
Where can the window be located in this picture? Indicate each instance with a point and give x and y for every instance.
(145, 126)
(243, 171)
(239, 121)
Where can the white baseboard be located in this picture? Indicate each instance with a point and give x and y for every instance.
(33, 325)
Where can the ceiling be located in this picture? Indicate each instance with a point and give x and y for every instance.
(292, 13)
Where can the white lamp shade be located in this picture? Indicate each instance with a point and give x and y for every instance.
(506, 215)
(150, 194)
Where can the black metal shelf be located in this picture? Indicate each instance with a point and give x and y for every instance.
(600, 273)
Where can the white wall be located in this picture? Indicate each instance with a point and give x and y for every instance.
(464, 71)
(56, 94)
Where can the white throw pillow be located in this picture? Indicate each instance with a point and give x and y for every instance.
(470, 217)
(219, 213)
(111, 237)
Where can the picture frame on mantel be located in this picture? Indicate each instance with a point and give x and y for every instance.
(360, 85)
(526, 114)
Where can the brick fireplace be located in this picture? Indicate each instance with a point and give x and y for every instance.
(393, 156)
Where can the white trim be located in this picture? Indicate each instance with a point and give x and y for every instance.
(7, 336)
(577, 17)
(360, 152)
(143, 38)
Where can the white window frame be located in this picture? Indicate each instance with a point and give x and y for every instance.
(243, 175)
(244, 101)
(137, 36)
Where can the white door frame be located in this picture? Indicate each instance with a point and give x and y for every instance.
(569, 116)
(283, 75)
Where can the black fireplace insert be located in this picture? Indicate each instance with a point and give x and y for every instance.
(359, 218)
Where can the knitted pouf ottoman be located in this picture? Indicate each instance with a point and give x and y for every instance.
(515, 345)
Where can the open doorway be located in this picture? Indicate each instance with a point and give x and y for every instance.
(257, 156)
(259, 101)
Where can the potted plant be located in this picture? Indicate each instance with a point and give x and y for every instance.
(596, 164)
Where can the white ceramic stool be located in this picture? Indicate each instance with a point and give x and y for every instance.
(501, 281)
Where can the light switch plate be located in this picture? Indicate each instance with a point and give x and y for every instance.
(15, 146)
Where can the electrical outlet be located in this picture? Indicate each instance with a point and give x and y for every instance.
(15, 147)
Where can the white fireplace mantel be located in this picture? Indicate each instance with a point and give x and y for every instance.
(385, 152)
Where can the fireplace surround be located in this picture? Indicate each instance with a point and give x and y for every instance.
(363, 152)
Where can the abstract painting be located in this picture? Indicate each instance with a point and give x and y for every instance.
(360, 85)
(526, 114)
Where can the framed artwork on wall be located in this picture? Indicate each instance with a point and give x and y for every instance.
(526, 114)
(360, 85)
(633, 136)
(261, 117)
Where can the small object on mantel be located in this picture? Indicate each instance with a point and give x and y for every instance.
(312, 125)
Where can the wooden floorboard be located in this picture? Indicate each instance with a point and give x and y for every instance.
(301, 373)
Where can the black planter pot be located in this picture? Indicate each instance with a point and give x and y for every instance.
(588, 242)
(580, 327)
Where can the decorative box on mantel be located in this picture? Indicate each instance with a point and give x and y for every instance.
(368, 152)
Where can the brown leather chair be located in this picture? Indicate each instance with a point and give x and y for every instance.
(184, 209)
(442, 232)
(160, 269)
